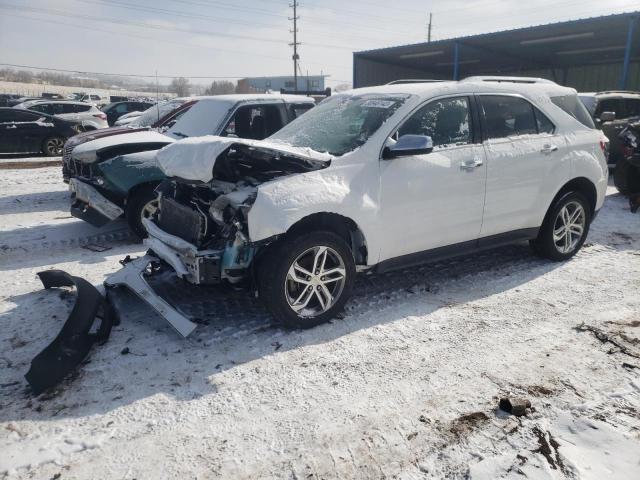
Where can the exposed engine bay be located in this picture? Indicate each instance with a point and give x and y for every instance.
(212, 217)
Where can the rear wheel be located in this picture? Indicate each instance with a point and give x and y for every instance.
(307, 279)
(142, 203)
(565, 228)
(626, 177)
(53, 146)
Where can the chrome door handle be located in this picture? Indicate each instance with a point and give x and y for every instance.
(471, 164)
(548, 149)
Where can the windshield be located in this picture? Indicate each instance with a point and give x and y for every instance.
(341, 123)
(204, 118)
(155, 113)
(575, 107)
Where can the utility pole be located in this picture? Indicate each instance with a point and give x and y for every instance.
(429, 28)
(295, 43)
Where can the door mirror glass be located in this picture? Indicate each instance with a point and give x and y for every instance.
(409, 145)
(607, 117)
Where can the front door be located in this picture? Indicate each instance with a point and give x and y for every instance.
(436, 199)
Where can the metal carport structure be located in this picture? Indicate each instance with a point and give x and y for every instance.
(599, 53)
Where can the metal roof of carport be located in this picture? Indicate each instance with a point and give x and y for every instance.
(589, 41)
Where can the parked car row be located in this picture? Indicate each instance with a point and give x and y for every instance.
(250, 189)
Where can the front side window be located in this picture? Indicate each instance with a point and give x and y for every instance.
(446, 121)
(610, 105)
(341, 123)
(42, 108)
(508, 116)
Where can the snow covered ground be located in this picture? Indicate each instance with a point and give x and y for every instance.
(405, 386)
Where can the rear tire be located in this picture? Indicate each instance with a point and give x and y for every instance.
(142, 203)
(565, 228)
(626, 178)
(304, 296)
(53, 146)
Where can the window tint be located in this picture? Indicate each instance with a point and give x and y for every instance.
(20, 116)
(610, 105)
(576, 107)
(297, 110)
(68, 108)
(256, 122)
(508, 116)
(41, 108)
(122, 108)
(445, 121)
(632, 107)
(81, 108)
(543, 123)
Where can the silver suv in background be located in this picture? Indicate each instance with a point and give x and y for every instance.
(85, 114)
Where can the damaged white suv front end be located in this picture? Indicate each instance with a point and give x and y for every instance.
(202, 225)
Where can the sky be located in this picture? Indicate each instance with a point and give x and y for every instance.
(242, 38)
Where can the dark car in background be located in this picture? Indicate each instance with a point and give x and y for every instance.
(24, 131)
(115, 110)
(611, 111)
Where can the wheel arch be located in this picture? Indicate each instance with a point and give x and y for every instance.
(343, 226)
(581, 185)
(152, 184)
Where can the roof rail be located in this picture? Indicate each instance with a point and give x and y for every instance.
(508, 79)
(416, 80)
(617, 91)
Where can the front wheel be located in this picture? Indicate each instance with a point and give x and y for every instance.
(53, 146)
(142, 203)
(565, 228)
(307, 279)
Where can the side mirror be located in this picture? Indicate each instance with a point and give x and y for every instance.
(607, 117)
(408, 145)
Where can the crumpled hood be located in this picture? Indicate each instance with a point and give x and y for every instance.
(193, 158)
(88, 152)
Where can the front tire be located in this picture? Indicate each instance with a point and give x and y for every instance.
(565, 228)
(53, 146)
(306, 280)
(142, 203)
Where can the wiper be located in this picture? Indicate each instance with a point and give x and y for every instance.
(180, 134)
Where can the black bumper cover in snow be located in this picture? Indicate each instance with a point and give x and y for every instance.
(75, 340)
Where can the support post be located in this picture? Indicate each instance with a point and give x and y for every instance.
(627, 53)
(456, 60)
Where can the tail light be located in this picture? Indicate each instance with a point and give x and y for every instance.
(101, 116)
(604, 145)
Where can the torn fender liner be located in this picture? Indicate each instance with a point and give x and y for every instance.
(74, 341)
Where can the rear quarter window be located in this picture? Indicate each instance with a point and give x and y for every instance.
(572, 105)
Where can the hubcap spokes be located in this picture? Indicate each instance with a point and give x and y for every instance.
(55, 146)
(315, 281)
(150, 209)
(569, 227)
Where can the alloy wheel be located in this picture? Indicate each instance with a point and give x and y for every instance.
(569, 227)
(315, 281)
(55, 146)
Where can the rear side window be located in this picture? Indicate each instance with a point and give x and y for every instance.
(508, 116)
(68, 108)
(20, 116)
(445, 121)
(81, 108)
(42, 108)
(572, 105)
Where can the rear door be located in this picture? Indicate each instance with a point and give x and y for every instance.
(522, 150)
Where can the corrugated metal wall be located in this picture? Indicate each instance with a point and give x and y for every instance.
(587, 78)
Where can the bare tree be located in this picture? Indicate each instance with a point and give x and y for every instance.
(220, 88)
(180, 86)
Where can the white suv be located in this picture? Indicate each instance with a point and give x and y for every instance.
(376, 178)
(82, 113)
